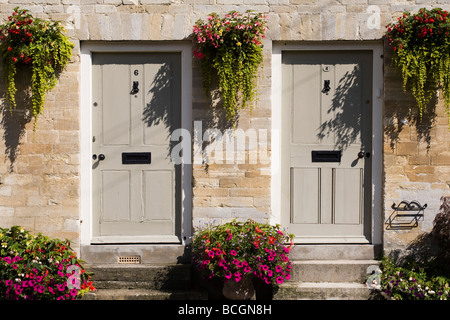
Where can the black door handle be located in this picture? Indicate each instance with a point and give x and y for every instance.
(361, 154)
(101, 157)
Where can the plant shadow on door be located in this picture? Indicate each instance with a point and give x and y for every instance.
(14, 120)
(345, 124)
(164, 110)
(157, 111)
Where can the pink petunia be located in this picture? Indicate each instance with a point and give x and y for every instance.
(280, 279)
(233, 252)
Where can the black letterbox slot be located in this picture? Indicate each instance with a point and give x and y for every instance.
(326, 156)
(136, 158)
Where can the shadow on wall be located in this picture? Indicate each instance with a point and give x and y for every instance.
(401, 109)
(212, 115)
(431, 249)
(14, 119)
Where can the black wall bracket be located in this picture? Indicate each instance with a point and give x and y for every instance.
(406, 215)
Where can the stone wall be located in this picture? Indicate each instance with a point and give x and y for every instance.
(40, 177)
(416, 156)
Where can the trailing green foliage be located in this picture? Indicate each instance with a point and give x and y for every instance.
(422, 52)
(39, 44)
(232, 48)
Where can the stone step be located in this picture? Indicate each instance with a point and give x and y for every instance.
(332, 270)
(141, 276)
(322, 291)
(144, 294)
(147, 254)
(334, 252)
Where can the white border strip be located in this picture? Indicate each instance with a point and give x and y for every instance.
(87, 48)
(377, 124)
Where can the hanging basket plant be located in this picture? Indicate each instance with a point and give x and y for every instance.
(39, 44)
(231, 48)
(421, 45)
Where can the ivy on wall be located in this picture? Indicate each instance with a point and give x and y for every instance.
(38, 44)
(231, 47)
(421, 46)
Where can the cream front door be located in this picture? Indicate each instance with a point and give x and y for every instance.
(326, 148)
(136, 187)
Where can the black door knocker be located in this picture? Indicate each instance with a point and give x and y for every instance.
(135, 88)
(326, 86)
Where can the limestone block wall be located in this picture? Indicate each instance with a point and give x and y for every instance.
(416, 156)
(40, 174)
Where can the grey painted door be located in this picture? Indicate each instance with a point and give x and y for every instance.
(326, 146)
(136, 107)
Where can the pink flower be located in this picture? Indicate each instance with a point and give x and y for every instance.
(7, 260)
(280, 279)
(228, 275)
(247, 269)
(233, 252)
(211, 254)
(40, 289)
(73, 292)
(278, 268)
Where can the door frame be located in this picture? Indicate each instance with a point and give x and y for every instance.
(86, 191)
(278, 189)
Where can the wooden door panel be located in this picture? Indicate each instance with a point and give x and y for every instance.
(326, 107)
(137, 106)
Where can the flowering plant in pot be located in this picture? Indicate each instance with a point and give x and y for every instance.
(231, 47)
(421, 49)
(235, 250)
(36, 267)
(38, 44)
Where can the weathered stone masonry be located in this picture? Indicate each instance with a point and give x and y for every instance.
(40, 174)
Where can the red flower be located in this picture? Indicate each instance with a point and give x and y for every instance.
(9, 49)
